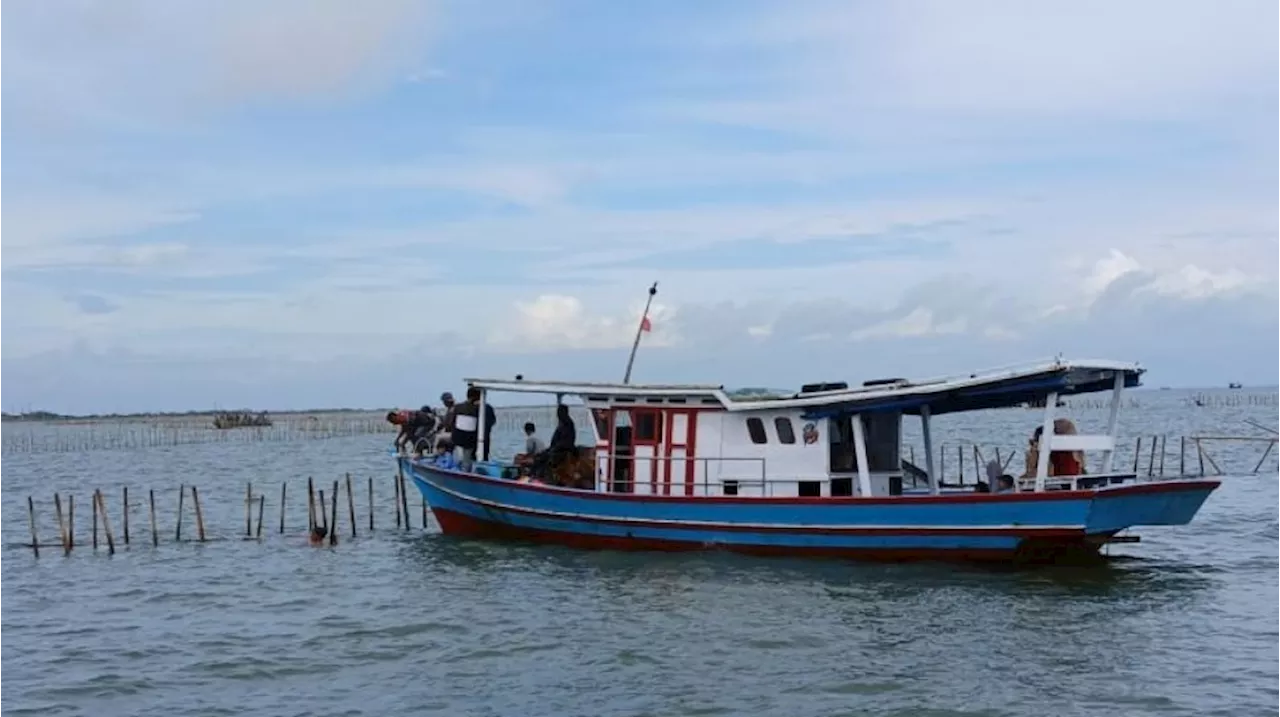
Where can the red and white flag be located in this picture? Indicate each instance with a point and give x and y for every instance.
(645, 325)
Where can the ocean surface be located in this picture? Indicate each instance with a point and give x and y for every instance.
(408, 622)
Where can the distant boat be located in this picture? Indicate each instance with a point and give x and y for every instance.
(689, 467)
(1235, 385)
(224, 420)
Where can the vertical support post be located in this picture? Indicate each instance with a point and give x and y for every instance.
(1046, 442)
(284, 488)
(182, 490)
(93, 509)
(351, 505)
(333, 524)
(927, 431)
(71, 521)
(370, 504)
(1200, 453)
(124, 507)
(482, 444)
(960, 462)
(106, 522)
(324, 514)
(195, 498)
(62, 527)
(860, 451)
(1137, 451)
(1164, 443)
(262, 507)
(1151, 461)
(31, 518)
(311, 505)
(248, 509)
(1113, 418)
(1182, 455)
(395, 480)
(404, 501)
(155, 537)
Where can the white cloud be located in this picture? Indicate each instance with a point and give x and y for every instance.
(137, 64)
(553, 322)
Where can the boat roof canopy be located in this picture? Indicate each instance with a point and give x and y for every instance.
(993, 388)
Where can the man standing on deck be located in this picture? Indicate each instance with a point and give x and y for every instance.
(466, 429)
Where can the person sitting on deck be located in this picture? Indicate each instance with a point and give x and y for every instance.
(1061, 463)
(532, 446)
(1066, 463)
(563, 444)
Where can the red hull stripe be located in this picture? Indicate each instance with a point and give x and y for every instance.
(459, 524)
(1138, 489)
(1054, 531)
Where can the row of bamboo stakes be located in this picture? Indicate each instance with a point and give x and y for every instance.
(321, 511)
(1154, 465)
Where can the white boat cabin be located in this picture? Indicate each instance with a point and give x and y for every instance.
(824, 440)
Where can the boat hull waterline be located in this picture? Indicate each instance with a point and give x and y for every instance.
(1016, 527)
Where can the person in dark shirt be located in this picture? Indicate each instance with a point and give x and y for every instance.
(563, 443)
(490, 418)
(416, 427)
(466, 429)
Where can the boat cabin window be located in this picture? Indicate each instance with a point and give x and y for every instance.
(880, 431)
(755, 429)
(843, 458)
(810, 488)
(648, 424)
(730, 487)
(786, 434)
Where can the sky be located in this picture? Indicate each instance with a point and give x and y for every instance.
(320, 203)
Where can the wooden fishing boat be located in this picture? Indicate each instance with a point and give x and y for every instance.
(817, 472)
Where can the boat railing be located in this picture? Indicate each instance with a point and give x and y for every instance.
(755, 474)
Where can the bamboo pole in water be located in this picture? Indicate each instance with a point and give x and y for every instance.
(351, 505)
(333, 533)
(370, 504)
(324, 518)
(31, 518)
(71, 521)
(106, 523)
(262, 507)
(1151, 461)
(195, 498)
(177, 535)
(395, 481)
(151, 500)
(62, 527)
(284, 485)
(93, 509)
(248, 509)
(311, 505)
(1137, 451)
(404, 501)
(1164, 444)
(1182, 455)
(124, 507)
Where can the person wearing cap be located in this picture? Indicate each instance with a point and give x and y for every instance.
(445, 436)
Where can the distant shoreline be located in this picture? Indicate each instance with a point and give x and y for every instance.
(50, 417)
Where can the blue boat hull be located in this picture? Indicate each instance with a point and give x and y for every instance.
(1021, 527)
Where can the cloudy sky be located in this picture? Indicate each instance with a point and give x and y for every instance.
(310, 203)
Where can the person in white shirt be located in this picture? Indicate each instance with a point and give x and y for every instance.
(532, 445)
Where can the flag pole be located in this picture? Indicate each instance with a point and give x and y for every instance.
(639, 330)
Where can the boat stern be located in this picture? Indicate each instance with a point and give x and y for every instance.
(1165, 502)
